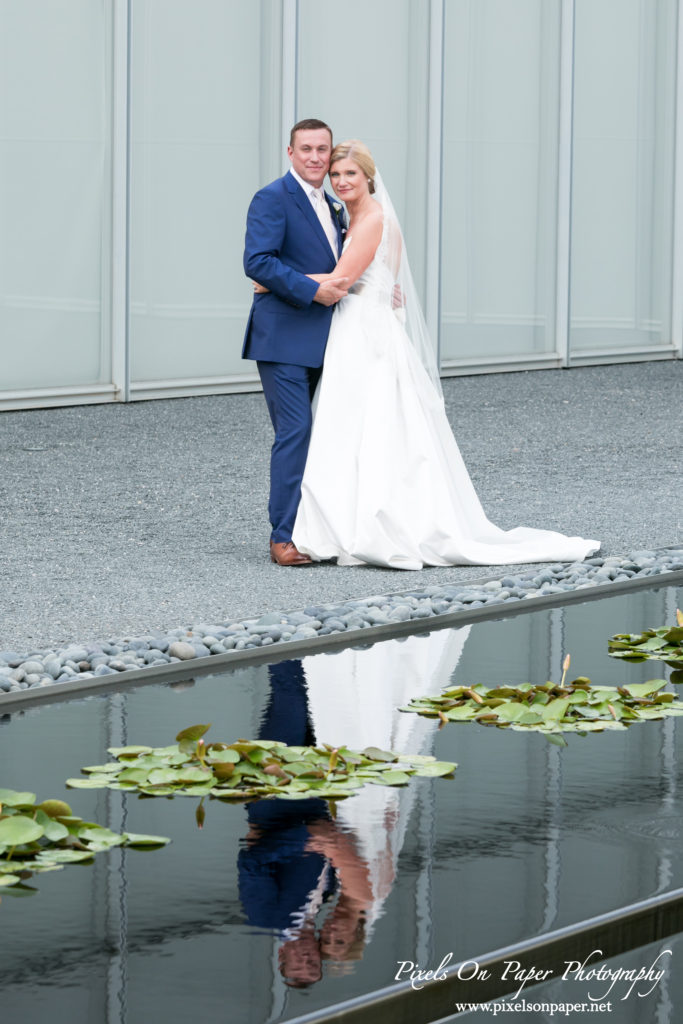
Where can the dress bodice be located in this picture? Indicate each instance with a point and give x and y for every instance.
(377, 281)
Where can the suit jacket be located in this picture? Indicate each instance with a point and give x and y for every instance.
(284, 242)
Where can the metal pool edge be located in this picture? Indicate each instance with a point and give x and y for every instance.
(617, 931)
(285, 651)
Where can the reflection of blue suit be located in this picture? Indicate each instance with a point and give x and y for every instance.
(287, 331)
(276, 873)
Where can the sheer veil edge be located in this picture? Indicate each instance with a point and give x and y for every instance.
(410, 310)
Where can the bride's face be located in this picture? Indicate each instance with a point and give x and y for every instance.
(347, 180)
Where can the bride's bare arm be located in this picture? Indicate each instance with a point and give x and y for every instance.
(357, 258)
(359, 253)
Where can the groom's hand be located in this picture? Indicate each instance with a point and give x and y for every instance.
(331, 291)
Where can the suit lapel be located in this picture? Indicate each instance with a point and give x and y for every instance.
(336, 220)
(306, 207)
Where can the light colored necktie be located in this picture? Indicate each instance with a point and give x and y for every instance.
(325, 217)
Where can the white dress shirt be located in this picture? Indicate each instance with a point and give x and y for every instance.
(322, 210)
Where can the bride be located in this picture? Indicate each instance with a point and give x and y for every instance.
(385, 483)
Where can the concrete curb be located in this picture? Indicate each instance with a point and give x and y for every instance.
(286, 650)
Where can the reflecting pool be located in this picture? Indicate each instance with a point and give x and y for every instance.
(274, 909)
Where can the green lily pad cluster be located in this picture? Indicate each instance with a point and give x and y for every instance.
(247, 769)
(663, 644)
(577, 706)
(46, 836)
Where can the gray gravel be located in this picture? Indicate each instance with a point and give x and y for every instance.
(50, 667)
(126, 520)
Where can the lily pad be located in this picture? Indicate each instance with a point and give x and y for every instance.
(18, 829)
(225, 756)
(393, 778)
(62, 857)
(94, 782)
(644, 689)
(249, 769)
(100, 835)
(161, 776)
(35, 838)
(143, 842)
(55, 808)
(375, 754)
(549, 708)
(9, 880)
(133, 751)
(53, 830)
(435, 770)
(193, 732)
(12, 798)
(662, 644)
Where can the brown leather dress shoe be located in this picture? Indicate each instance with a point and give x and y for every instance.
(284, 553)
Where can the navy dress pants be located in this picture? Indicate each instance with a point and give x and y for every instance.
(288, 391)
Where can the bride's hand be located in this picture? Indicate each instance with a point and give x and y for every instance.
(259, 289)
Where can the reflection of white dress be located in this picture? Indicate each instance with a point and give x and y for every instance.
(354, 698)
(385, 482)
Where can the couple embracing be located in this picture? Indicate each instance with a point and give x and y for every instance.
(364, 467)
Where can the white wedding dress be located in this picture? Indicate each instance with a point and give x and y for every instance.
(385, 483)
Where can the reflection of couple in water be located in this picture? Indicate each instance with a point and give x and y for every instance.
(297, 861)
(296, 857)
(341, 937)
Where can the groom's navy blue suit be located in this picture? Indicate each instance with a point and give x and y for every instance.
(287, 331)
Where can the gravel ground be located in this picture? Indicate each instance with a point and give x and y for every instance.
(77, 663)
(126, 519)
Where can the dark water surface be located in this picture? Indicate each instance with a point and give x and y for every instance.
(528, 837)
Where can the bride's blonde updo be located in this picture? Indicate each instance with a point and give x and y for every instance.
(355, 150)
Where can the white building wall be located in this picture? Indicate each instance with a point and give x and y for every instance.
(529, 146)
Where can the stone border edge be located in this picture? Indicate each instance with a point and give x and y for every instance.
(330, 643)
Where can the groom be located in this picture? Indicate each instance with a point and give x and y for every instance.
(293, 229)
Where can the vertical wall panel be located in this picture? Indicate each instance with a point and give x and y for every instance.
(622, 184)
(500, 141)
(205, 132)
(55, 91)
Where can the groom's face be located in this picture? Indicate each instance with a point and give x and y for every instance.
(310, 154)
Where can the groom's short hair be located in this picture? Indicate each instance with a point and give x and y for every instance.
(307, 125)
